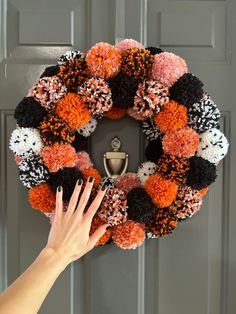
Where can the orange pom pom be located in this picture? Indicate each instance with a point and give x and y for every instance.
(172, 117)
(203, 192)
(162, 191)
(94, 173)
(96, 223)
(115, 113)
(72, 110)
(42, 198)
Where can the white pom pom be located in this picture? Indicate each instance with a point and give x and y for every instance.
(69, 55)
(213, 145)
(146, 170)
(88, 128)
(26, 142)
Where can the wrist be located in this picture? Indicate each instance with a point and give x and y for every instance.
(54, 257)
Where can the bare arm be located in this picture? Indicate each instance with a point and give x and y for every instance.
(68, 240)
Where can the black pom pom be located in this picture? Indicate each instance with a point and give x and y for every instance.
(154, 50)
(123, 89)
(154, 150)
(201, 174)
(50, 71)
(29, 113)
(140, 205)
(66, 178)
(80, 142)
(187, 90)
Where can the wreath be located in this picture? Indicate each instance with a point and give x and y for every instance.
(180, 122)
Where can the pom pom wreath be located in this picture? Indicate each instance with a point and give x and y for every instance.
(187, 203)
(104, 60)
(146, 169)
(150, 97)
(72, 110)
(172, 117)
(162, 223)
(26, 142)
(96, 223)
(108, 182)
(96, 95)
(140, 205)
(213, 145)
(113, 208)
(187, 90)
(80, 142)
(150, 130)
(128, 44)
(32, 172)
(154, 150)
(173, 168)
(204, 115)
(73, 72)
(115, 113)
(127, 182)
(168, 68)
(70, 55)
(29, 113)
(181, 143)
(50, 71)
(66, 178)
(53, 129)
(88, 128)
(48, 91)
(92, 172)
(201, 173)
(154, 50)
(123, 89)
(83, 161)
(133, 114)
(42, 198)
(161, 191)
(129, 235)
(59, 156)
(137, 63)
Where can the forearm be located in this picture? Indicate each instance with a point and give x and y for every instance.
(28, 292)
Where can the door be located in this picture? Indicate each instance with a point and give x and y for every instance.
(192, 271)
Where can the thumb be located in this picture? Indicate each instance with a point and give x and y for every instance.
(97, 234)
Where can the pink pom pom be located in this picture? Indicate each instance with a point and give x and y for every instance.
(168, 68)
(128, 181)
(128, 44)
(84, 161)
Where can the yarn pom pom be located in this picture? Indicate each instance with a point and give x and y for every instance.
(88, 128)
(137, 63)
(127, 182)
(115, 113)
(150, 130)
(29, 113)
(203, 192)
(80, 142)
(96, 95)
(108, 182)
(187, 202)
(129, 235)
(128, 44)
(140, 205)
(42, 198)
(204, 115)
(146, 170)
(172, 117)
(18, 159)
(96, 223)
(70, 55)
(168, 68)
(161, 191)
(154, 50)
(162, 223)
(48, 91)
(83, 161)
(92, 172)
(133, 114)
(72, 110)
(32, 172)
(53, 129)
(213, 145)
(123, 89)
(173, 168)
(66, 178)
(154, 150)
(201, 173)
(113, 208)
(187, 90)
(150, 97)
(26, 142)
(58, 156)
(104, 60)
(181, 143)
(50, 71)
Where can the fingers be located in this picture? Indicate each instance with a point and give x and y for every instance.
(97, 235)
(85, 195)
(95, 204)
(74, 198)
(59, 202)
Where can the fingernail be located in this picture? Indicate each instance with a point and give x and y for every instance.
(80, 182)
(90, 179)
(59, 188)
(103, 188)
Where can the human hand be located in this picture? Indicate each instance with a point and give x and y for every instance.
(69, 234)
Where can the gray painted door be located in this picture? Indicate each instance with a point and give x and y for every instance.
(193, 271)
